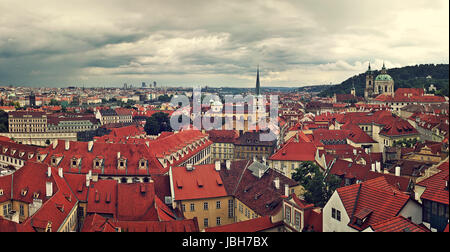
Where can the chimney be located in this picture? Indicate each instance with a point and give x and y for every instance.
(60, 172)
(228, 164)
(276, 181)
(286, 190)
(55, 143)
(378, 166)
(217, 165)
(90, 145)
(264, 161)
(118, 155)
(397, 171)
(49, 171)
(67, 145)
(372, 167)
(88, 180)
(48, 189)
(354, 152)
(15, 217)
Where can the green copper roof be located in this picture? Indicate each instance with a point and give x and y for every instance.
(383, 77)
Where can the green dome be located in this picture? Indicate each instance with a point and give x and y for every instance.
(383, 77)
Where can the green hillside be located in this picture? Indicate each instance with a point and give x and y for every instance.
(404, 77)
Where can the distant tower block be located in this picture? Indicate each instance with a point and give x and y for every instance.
(154, 84)
(32, 99)
(144, 85)
(124, 85)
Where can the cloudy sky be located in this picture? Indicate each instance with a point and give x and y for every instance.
(214, 42)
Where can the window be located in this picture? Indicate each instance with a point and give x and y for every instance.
(183, 208)
(192, 207)
(297, 219)
(205, 222)
(205, 206)
(288, 214)
(218, 204)
(230, 208)
(22, 211)
(336, 214)
(218, 221)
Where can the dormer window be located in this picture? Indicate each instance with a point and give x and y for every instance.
(75, 162)
(35, 195)
(21, 154)
(1, 192)
(121, 163)
(142, 164)
(24, 192)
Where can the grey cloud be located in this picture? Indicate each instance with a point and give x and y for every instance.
(64, 41)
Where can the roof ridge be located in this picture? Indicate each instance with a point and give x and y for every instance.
(356, 201)
(240, 178)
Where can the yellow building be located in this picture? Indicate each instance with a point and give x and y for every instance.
(198, 191)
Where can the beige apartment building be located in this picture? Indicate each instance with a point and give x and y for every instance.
(27, 122)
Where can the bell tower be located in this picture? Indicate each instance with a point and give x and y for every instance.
(368, 91)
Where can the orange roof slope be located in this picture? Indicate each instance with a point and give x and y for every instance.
(202, 182)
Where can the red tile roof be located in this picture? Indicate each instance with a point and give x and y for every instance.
(398, 224)
(436, 186)
(240, 182)
(202, 182)
(97, 223)
(222, 136)
(375, 195)
(108, 152)
(254, 225)
(296, 151)
(55, 209)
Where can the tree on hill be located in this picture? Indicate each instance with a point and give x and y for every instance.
(404, 77)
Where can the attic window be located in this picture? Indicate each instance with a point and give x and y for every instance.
(60, 207)
(142, 188)
(1, 192)
(179, 184)
(24, 192)
(97, 196)
(199, 182)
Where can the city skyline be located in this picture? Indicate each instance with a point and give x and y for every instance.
(214, 43)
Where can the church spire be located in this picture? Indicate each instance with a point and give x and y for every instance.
(383, 70)
(257, 82)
